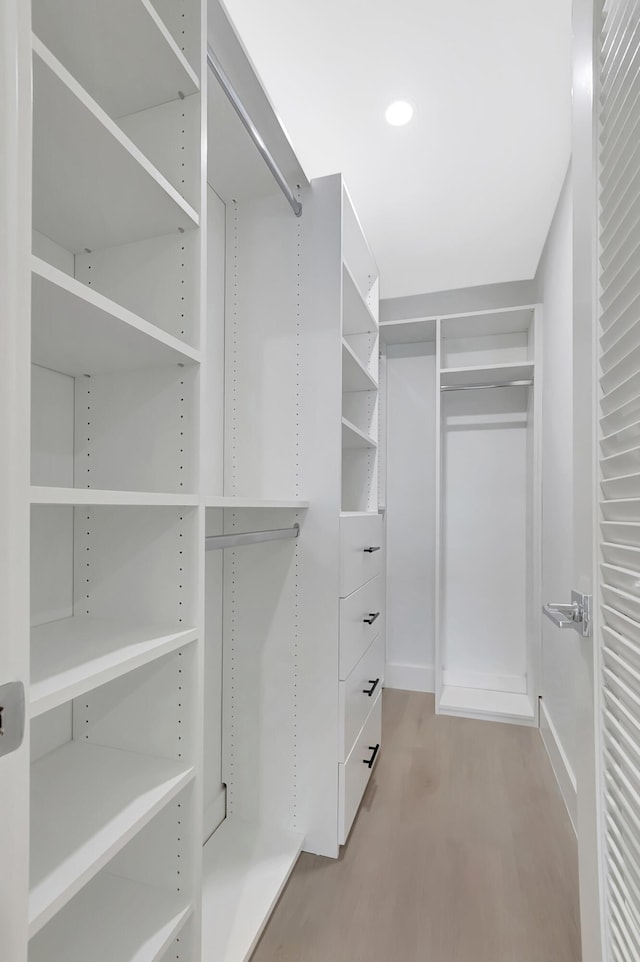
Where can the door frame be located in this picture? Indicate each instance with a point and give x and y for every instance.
(15, 323)
(585, 470)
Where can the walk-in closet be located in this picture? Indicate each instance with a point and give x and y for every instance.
(319, 522)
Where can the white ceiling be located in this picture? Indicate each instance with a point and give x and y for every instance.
(465, 194)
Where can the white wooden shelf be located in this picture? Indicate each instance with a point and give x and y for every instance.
(510, 320)
(486, 704)
(246, 867)
(87, 802)
(486, 374)
(357, 317)
(355, 376)
(120, 51)
(92, 187)
(113, 919)
(353, 437)
(415, 330)
(74, 655)
(214, 501)
(95, 496)
(75, 330)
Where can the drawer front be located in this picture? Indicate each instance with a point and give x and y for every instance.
(355, 773)
(361, 620)
(355, 703)
(358, 564)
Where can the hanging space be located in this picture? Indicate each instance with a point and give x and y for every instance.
(255, 512)
(488, 504)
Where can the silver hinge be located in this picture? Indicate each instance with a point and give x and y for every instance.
(12, 712)
(577, 615)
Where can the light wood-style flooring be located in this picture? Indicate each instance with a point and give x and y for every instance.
(462, 852)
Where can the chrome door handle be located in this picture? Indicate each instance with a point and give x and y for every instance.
(577, 614)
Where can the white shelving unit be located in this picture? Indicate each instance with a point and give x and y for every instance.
(178, 391)
(117, 512)
(487, 527)
(343, 581)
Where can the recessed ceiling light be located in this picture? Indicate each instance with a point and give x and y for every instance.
(399, 113)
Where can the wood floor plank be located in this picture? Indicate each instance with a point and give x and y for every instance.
(462, 852)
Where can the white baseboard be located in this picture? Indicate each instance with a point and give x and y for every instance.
(410, 677)
(516, 684)
(560, 764)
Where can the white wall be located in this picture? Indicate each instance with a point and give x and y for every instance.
(410, 502)
(560, 649)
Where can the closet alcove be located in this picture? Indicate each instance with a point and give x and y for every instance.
(464, 393)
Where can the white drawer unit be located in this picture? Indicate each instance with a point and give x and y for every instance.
(361, 554)
(354, 774)
(359, 692)
(361, 619)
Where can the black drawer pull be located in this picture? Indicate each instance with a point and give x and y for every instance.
(372, 549)
(369, 761)
(374, 682)
(372, 617)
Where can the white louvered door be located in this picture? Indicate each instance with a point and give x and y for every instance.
(618, 115)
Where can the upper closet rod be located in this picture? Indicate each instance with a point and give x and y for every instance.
(484, 387)
(217, 541)
(216, 69)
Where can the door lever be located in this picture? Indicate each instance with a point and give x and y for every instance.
(577, 614)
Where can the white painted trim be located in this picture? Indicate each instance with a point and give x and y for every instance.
(560, 763)
(410, 677)
(517, 684)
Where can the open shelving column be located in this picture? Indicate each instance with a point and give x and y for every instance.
(360, 365)
(117, 523)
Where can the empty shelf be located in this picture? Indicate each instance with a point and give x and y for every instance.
(233, 502)
(357, 317)
(482, 703)
(355, 376)
(415, 330)
(95, 496)
(126, 69)
(76, 330)
(353, 437)
(74, 655)
(112, 919)
(246, 867)
(486, 374)
(87, 802)
(511, 320)
(92, 187)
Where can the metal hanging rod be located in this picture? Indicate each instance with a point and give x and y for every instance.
(484, 387)
(216, 69)
(216, 542)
